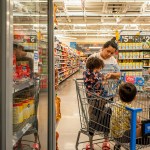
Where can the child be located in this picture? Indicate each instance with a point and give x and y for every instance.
(98, 113)
(92, 76)
(93, 81)
(120, 119)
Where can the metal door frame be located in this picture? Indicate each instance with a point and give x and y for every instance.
(6, 59)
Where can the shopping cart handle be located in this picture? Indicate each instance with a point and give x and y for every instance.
(134, 112)
(134, 109)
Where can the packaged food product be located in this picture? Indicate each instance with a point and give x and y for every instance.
(123, 45)
(133, 45)
(32, 106)
(130, 46)
(26, 109)
(17, 112)
(127, 45)
(136, 45)
(120, 46)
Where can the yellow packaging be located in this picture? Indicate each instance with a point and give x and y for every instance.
(134, 45)
(131, 55)
(32, 106)
(123, 45)
(127, 45)
(17, 113)
(130, 45)
(134, 54)
(141, 64)
(26, 109)
(130, 65)
(120, 45)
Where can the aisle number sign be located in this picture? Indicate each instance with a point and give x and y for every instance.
(134, 38)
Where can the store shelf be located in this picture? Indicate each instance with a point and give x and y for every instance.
(134, 49)
(146, 58)
(22, 85)
(22, 128)
(64, 71)
(146, 66)
(68, 76)
(131, 58)
(132, 69)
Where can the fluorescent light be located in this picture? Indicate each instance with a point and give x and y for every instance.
(95, 47)
(72, 2)
(81, 25)
(109, 23)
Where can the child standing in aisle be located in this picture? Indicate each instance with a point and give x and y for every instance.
(93, 81)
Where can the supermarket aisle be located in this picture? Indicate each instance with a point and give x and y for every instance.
(42, 116)
(69, 124)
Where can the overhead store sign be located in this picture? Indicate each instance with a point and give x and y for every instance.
(73, 45)
(134, 38)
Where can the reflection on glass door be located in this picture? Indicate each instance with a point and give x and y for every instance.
(30, 74)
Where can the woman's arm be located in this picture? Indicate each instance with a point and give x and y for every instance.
(114, 75)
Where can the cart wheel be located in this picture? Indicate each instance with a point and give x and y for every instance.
(35, 146)
(106, 145)
(88, 147)
(117, 147)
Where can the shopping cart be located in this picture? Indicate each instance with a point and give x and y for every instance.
(95, 115)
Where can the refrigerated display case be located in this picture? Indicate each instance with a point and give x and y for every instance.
(25, 25)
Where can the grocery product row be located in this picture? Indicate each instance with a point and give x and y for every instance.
(128, 46)
(134, 55)
(130, 64)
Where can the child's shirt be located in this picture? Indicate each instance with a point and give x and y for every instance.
(93, 82)
(120, 119)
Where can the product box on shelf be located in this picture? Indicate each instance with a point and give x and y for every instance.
(123, 46)
(120, 46)
(127, 45)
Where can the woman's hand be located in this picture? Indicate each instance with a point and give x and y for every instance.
(108, 76)
(115, 75)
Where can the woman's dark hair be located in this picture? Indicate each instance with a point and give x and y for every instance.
(127, 92)
(94, 62)
(111, 43)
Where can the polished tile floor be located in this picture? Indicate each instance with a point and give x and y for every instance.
(69, 124)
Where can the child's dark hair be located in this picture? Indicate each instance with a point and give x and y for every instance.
(127, 92)
(94, 62)
(111, 43)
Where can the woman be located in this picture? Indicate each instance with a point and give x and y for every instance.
(111, 68)
(111, 71)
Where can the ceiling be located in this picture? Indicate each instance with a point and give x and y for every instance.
(84, 20)
(80, 19)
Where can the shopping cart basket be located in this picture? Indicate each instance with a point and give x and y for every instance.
(95, 115)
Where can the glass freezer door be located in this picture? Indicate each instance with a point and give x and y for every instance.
(27, 75)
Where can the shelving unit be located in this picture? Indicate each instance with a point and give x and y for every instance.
(134, 55)
(68, 63)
